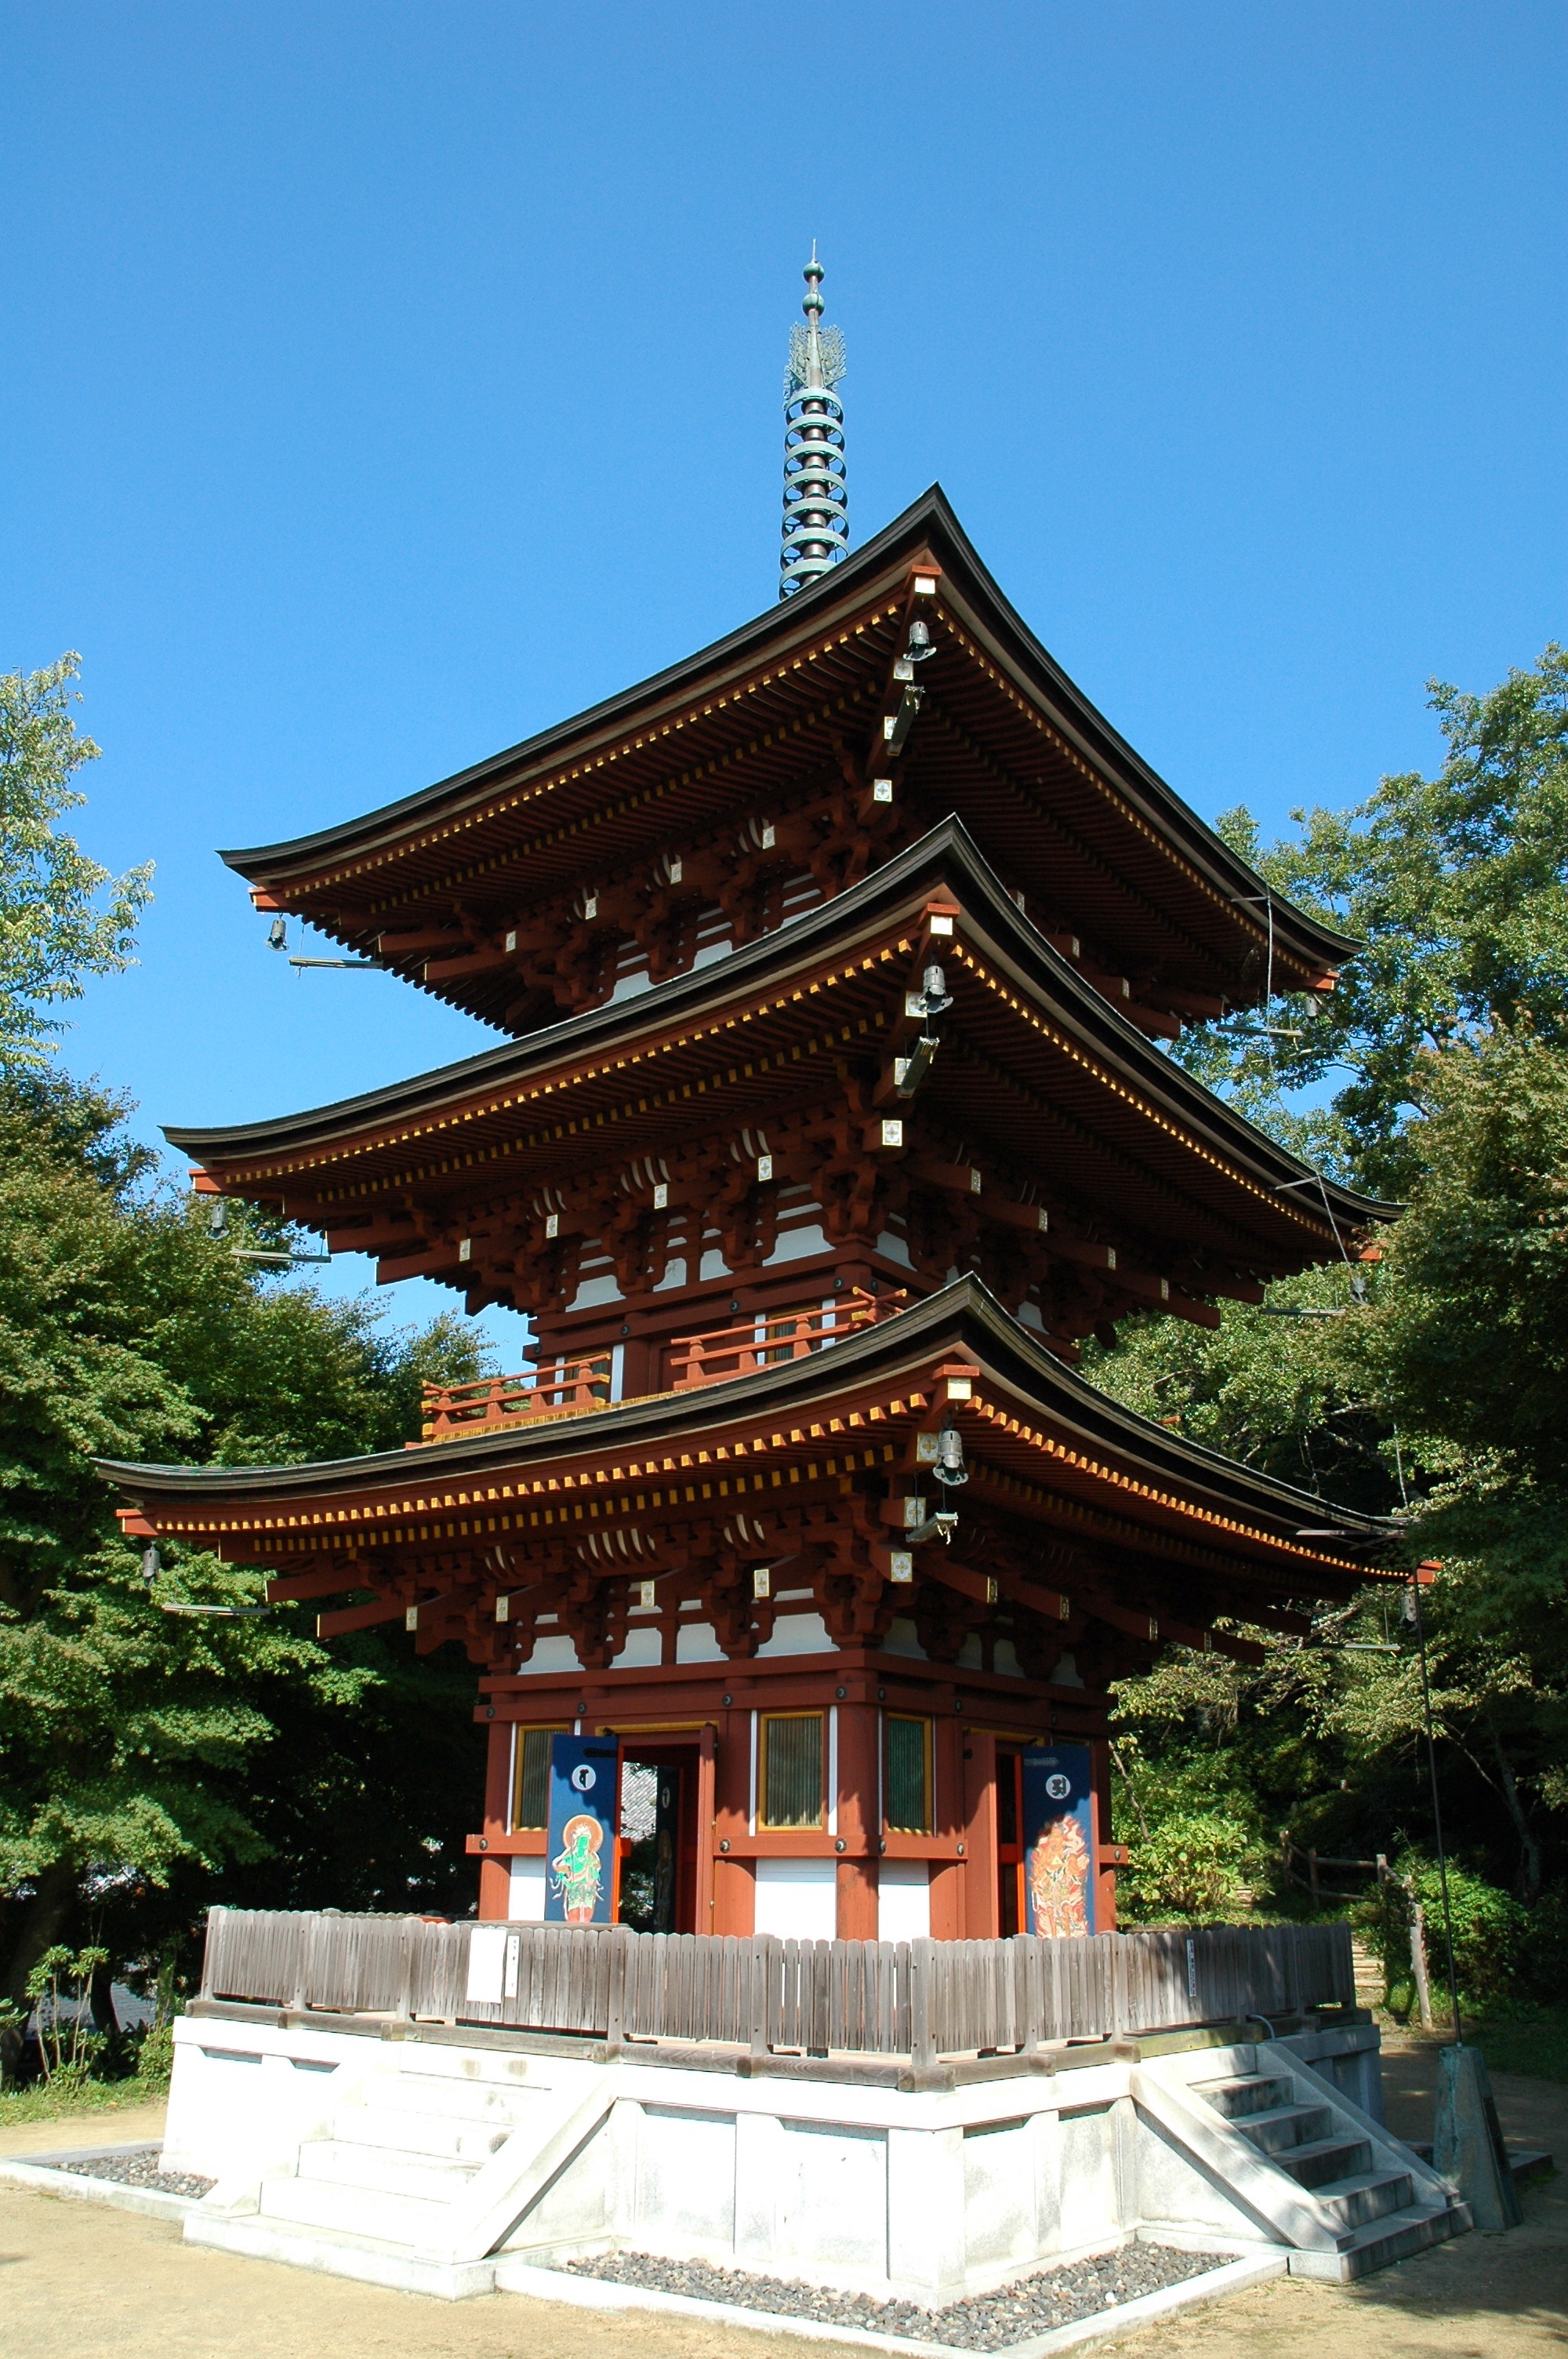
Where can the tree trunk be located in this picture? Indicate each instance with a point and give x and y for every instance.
(42, 1921)
(1529, 1850)
(1418, 1963)
(104, 2018)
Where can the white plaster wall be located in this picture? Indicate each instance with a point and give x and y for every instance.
(812, 2193)
(797, 1244)
(686, 2179)
(903, 1900)
(642, 1648)
(904, 1639)
(601, 1288)
(697, 1642)
(1089, 2175)
(797, 1900)
(525, 1892)
(1172, 2192)
(237, 2088)
(552, 1654)
(999, 2191)
(797, 1633)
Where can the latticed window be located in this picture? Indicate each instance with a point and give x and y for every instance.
(792, 1778)
(531, 1784)
(908, 1776)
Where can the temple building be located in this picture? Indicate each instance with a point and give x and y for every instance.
(834, 972)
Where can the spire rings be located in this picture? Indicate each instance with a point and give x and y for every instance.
(815, 497)
(816, 490)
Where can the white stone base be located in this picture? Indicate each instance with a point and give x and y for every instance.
(439, 2161)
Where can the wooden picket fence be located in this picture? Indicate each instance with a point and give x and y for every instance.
(921, 1999)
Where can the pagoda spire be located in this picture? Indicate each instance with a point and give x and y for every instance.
(816, 494)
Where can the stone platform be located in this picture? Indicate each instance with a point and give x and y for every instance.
(440, 2160)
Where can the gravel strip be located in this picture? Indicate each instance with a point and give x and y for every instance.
(988, 2322)
(138, 2170)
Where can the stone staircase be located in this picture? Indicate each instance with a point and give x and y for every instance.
(414, 2170)
(1369, 1973)
(1311, 2169)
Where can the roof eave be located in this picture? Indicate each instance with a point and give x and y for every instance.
(928, 523)
(942, 849)
(964, 1313)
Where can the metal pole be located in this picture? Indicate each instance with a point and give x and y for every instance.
(1436, 1806)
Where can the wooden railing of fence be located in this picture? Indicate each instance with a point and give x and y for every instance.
(921, 1999)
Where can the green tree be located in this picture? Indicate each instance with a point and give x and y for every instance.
(62, 916)
(130, 1735)
(1431, 1383)
(1456, 887)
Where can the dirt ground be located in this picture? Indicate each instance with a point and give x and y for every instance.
(79, 2281)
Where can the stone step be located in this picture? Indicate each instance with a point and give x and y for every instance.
(420, 2134)
(335, 2162)
(476, 2101)
(1245, 2093)
(1320, 2159)
(1369, 2195)
(408, 2221)
(1393, 2238)
(369, 2259)
(486, 2067)
(1286, 2127)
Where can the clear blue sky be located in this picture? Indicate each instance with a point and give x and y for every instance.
(383, 383)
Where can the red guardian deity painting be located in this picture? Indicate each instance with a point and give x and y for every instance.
(1058, 1880)
(577, 1869)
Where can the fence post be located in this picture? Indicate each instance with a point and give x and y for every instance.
(210, 1949)
(615, 2009)
(922, 2023)
(766, 1947)
(303, 1949)
(405, 1939)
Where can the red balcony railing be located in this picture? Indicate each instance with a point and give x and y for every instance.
(571, 1387)
(555, 1389)
(764, 1342)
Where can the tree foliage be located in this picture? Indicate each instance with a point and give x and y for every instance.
(1430, 1385)
(151, 1755)
(131, 1733)
(1455, 887)
(62, 916)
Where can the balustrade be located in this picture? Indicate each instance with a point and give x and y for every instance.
(571, 1387)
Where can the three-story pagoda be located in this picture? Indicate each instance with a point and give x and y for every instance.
(835, 968)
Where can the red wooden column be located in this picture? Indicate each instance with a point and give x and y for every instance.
(981, 1915)
(494, 1874)
(858, 1821)
(949, 1877)
(734, 1895)
(1108, 1856)
(707, 1838)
